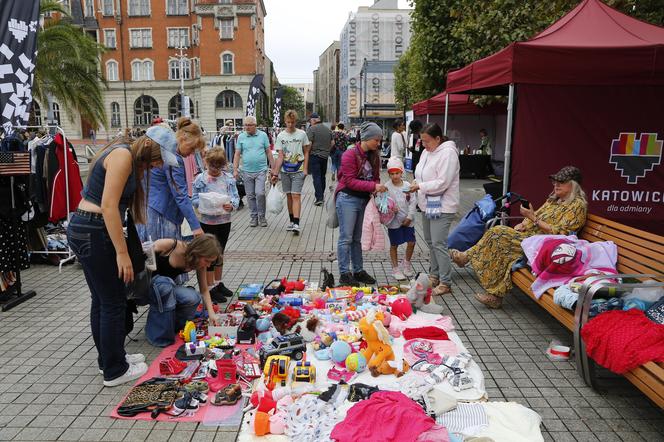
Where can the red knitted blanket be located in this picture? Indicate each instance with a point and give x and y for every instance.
(623, 340)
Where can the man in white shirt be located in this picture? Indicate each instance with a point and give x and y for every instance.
(398, 140)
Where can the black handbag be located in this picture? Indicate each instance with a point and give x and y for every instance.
(139, 289)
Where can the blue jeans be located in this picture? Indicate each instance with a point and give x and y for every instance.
(350, 210)
(335, 157)
(254, 185)
(318, 170)
(171, 306)
(90, 242)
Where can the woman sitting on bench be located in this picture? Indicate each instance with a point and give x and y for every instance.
(499, 249)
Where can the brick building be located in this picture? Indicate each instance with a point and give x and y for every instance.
(224, 47)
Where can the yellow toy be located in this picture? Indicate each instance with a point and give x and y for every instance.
(276, 370)
(189, 332)
(378, 353)
(304, 371)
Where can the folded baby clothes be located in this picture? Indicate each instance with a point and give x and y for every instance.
(465, 419)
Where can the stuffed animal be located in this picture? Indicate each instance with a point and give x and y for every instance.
(378, 352)
(312, 329)
(401, 308)
(419, 295)
(292, 286)
(263, 332)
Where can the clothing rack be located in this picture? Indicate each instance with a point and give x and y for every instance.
(70, 253)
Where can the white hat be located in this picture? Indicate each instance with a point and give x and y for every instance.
(394, 164)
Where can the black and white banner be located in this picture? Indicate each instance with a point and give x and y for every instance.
(254, 93)
(276, 108)
(19, 22)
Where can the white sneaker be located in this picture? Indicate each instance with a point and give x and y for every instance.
(396, 274)
(135, 358)
(296, 229)
(407, 269)
(134, 372)
(289, 227)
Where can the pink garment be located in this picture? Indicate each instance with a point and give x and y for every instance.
(601, 255)
(373, 234)
(190, 169)
(431, 351)
(437, 433)
(400, 418)
(350, 170)
(397, 326)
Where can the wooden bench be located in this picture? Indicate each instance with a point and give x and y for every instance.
(638, 252)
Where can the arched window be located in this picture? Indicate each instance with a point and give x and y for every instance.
(175, 107)
(227, 67)
(145, 109)
(56, 113)
(112, 70)
(35, 115)
(148, 71)
(142, 70)
(174, 70)
(115, 114)
(228, 100)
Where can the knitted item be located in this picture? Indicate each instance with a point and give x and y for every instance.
(432, 333)
(623, 340)
(356, 315)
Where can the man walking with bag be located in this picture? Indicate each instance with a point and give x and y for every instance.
(320, 137)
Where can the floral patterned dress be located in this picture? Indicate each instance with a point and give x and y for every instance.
(494, 255)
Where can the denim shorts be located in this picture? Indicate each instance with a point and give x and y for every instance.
(401, 235)
(292, 182)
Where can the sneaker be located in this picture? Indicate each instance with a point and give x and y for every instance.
(217, 294)
(135, 358)
(262, 222)
(318, 203)
(363, 276)
(225, 291)
(407, 269)
(134, 372)
(289, 227)
(397, 274)
(253, 222)
(296, 229)
(347, 279)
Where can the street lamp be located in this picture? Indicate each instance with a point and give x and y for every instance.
(181, 57)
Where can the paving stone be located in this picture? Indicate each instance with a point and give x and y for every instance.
(72, 434)
(137, 435)
(181, 436)
(115, 435)
(9, 433)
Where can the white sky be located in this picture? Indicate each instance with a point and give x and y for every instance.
(298, 31)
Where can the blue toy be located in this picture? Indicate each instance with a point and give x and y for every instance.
(339, 351)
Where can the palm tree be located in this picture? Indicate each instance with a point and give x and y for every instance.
(67, 66)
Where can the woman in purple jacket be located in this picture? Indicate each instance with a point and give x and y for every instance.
(359, 177)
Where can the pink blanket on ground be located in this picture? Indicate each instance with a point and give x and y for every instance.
(226, 416)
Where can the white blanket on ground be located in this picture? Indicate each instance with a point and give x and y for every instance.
(511, 422)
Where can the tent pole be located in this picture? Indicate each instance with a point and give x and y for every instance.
(447, 106)
(508, 139)
(427, 118)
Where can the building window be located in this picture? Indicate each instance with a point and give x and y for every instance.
(178, 37)
(141, 38)
(115, 115)
(227, 63)
(56, 113)
(176, 7)
(109, 38)
(145, 109)
(142, 70)
(112, 70)
(225, 2)
(138, 7)
(107, 7)
(196, 68)
(35, 115)
(195, 35)
(174, 70)
(226, 29)
(89, 8)
(175, 107)
(228, 100)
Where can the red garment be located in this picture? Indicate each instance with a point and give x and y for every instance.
(400, 418)
(58, 197)
(623, 340)
(433, 333)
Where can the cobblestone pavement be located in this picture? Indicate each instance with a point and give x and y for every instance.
(50, 388)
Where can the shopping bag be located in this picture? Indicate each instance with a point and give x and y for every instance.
(274, 202)
(331, 208)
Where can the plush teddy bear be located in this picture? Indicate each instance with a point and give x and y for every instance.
(419, 295)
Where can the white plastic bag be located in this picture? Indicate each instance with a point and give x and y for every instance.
(645, 293)
(274, 203)
(212, 203)
(332, 217)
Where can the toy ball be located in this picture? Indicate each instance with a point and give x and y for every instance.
(356, 362)
(387, 319)
(402, 309)
(563, 253)
(340, 351)
(263, 324)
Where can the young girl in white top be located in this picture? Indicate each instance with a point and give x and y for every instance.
(401, 229)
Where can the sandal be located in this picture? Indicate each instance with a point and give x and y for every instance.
(194, 386)
(459, 258)
(433, 281)
(491, 301)
(228, 396)
(441, 289)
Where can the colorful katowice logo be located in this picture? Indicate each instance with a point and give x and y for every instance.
(634, 157)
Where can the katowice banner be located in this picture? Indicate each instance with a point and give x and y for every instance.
(276, 108)
(19, 23)
(254, 93)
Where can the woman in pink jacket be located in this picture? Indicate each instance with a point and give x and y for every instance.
(437, 186)
(359, 177)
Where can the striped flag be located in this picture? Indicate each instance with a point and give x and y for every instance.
(14, 163)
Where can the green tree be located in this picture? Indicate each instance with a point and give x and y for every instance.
(67, 67)
(292, 99)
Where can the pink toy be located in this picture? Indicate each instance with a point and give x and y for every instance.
(337, 374)
(401, 308)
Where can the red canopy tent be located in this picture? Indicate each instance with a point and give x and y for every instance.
(459, 104)
(586, 91)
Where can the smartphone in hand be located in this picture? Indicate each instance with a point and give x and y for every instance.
(525, 204)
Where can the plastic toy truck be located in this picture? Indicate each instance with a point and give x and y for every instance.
(289, 345)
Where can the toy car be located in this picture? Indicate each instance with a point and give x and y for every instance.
(276, 370)
(304, 371)
(290, 345)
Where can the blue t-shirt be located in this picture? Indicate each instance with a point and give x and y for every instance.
(252, 148)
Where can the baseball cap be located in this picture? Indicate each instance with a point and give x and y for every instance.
(567, 173)
(166, 140)
(314, 115)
